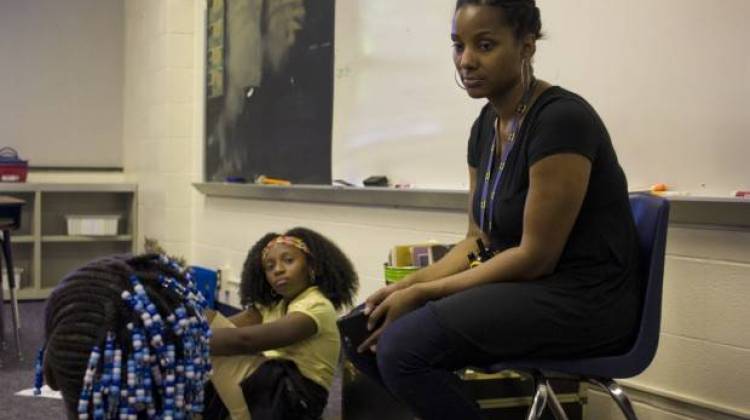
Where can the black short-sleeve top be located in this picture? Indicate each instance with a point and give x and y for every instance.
(602, 243)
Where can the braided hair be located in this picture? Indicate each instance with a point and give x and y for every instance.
(334, 273)
(521, 15)
(126, 338)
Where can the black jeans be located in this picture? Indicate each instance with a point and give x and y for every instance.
(415, 360)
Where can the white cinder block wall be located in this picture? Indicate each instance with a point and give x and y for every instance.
(704, 357)
(160, 106)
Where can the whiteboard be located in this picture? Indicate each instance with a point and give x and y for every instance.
(670, 79)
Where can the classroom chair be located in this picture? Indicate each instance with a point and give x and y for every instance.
(10, 220)
(651, 216)
(207, 282)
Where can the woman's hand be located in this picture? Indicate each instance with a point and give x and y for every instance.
(376, 298)
(392, 307)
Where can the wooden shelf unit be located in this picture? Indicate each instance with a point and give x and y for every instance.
(42, 247)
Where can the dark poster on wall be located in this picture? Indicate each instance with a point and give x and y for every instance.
(269, 91)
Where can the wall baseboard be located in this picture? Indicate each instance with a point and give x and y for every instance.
(653, 407)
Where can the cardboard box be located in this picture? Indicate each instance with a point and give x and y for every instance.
(505, 395)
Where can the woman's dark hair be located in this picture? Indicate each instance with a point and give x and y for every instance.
(88, 305)
(334, 273)
(521, 15)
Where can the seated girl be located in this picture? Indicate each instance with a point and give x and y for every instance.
(277, 357)
(125, 337)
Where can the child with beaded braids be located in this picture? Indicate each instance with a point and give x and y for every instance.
(276, 359)
(126, 338)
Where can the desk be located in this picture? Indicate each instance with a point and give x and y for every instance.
(10, 210)
(10, 219)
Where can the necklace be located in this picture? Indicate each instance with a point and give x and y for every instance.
(487, 202)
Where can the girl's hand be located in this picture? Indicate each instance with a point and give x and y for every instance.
(394, 306)
(210, 314)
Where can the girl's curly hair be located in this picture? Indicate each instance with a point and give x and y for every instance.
(334, 273)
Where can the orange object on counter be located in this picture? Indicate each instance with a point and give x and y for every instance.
(265, 180)
(659, 187)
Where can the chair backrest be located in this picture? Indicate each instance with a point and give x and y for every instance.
(651, 215)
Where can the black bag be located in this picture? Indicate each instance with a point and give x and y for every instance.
(213, 407)
(278, 391)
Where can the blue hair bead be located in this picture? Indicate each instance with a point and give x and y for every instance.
(167, 362)
(39, 372)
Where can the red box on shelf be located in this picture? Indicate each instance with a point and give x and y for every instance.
(12, 168)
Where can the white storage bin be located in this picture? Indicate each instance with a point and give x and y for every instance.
(17, 273)
(92, 225)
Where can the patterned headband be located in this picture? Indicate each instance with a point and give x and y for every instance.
(286, 240)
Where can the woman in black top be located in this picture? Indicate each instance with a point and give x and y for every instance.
(549, 197)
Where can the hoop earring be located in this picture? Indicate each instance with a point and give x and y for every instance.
(458, 80)
(527, 73)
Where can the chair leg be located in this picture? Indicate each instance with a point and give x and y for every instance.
(540, 399)
(3, 343)
(12, 287)
(617, 394)
(554, 403)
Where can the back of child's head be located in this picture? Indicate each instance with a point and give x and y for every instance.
(125, 336)
(334, 273)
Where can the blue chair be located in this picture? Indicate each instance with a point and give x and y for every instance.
(207, 282)
(651, 216)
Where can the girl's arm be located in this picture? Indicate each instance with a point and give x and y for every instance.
(453, 261)
(290, 329)
(249, 316)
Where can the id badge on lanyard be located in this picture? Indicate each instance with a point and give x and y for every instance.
(487, 203)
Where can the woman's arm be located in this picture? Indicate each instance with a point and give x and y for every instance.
(452, 262)
(456, 259)
(557, 187)
(292, 328)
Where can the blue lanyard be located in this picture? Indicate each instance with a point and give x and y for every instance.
(487, 209)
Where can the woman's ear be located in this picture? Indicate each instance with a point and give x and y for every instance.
(528, 47)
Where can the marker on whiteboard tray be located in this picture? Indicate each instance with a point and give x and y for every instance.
(662, 190)
(657, 188)
(235, 180)
(342, 182)
(741, 193)
(265, 180)
(671, 193)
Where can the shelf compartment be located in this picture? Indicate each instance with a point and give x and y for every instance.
(56, 205)
(33, 294)
(80, 238)
(23, 259)
(60, 258)
(27, 212)
(21, 239)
